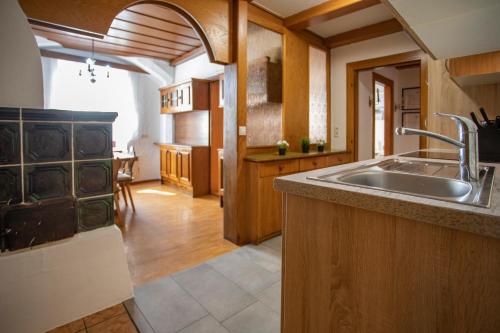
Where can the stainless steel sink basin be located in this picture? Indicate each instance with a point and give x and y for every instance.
(436, 180)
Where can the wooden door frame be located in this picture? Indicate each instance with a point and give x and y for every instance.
(352, 70)
(376, 77)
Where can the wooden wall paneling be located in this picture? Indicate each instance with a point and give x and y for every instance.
(367, 278)
(326, 11)
(234, 116)
(296, 90)
(192, 128)
(210, 18)
(446, 96)
(216, 135)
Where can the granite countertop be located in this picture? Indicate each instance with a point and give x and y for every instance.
(267, 157)
(478, 220)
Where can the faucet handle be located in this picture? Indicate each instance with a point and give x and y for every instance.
(462, 122)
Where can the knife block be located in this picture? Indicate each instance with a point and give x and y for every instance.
(489, 144)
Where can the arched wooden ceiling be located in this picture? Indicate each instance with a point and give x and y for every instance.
(146, 30)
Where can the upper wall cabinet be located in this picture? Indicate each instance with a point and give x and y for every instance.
(452, 28)
(264, 82)
(192, 95)
(476, 70)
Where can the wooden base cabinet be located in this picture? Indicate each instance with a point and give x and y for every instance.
(264, 203)
(186, 167)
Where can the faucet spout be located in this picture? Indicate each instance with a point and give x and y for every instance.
(467, 144)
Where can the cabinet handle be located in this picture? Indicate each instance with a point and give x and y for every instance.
(280, 168)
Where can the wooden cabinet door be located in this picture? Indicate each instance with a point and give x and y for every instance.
(184, 96)
(184, 166)
(163, 162)
(270, 214)
(171, 161)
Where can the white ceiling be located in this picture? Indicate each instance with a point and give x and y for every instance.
(285, 8)
(452, 28)
(358, 19)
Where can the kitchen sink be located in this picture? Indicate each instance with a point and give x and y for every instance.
(435, 180)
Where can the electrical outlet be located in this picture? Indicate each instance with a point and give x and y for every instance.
(242, 130)
(336, 132)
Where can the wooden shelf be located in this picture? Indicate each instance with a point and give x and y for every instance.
(475, 70)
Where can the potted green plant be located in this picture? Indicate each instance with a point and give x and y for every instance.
(305, 145)
(321, 145)
(282, 147)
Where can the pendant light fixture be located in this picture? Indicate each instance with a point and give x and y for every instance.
(91, 66)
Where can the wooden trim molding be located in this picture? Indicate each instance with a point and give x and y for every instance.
(70, 57)
(388, 113)
(352, 91)
(326, 11)
(364, 33)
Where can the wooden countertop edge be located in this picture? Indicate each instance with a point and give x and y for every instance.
(180, 145)
(275, 158)
(477, 220)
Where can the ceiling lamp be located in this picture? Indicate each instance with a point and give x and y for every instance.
(91, 67)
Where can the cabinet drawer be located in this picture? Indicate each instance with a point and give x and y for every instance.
(338, 159)
(278, 168)
(313, 163)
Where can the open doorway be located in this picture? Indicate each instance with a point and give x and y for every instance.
(382, 101)
(385, 93)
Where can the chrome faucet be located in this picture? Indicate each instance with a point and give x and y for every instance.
(467, 144)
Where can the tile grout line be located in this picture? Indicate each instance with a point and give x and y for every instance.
(189, 294)
(143, 315)
(209, 313)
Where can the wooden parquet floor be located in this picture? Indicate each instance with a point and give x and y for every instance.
(170, 231)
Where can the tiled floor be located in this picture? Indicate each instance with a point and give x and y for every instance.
(238, 292)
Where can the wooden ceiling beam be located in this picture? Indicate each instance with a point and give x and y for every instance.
(188, 55)
(75, 58)
(325, 12)
(364, 33)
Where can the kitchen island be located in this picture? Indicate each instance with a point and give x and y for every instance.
(364, 260)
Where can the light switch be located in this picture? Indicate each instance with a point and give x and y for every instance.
(336, 132)
(242, 130)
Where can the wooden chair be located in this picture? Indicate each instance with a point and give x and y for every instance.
(125, 178)
(116, 189)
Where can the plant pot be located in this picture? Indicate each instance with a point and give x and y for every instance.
(305, 148)
(281, 151)
(321, 149)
